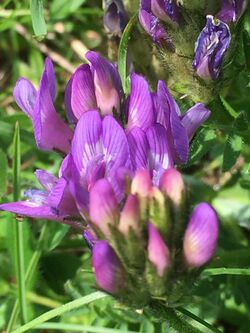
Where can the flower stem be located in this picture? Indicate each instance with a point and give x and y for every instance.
(18, 230)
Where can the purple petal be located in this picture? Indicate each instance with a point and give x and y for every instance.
(210, 48)
(67, 102)
(194, 118)
(86, 143)
(231, 10)
(166, 10)
(177, 135)
(130, 216)
(61, 200)
(103, 206)
(201, 235)
(140, 111)
(31, 209)
(107, 267)
(160, 153)
(82, 91)
(158, 252)
(139, 148)
(46, 179)
(108, 88)
(155, 29)
(47, 122)
(25, 96)
(51, 78)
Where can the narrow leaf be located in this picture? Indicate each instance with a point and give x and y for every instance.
(123, 50)
(38, 21)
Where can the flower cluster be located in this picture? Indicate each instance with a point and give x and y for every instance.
(112, 141)
(148, 249)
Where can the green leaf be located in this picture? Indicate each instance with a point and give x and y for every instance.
(61, 310)
(38, 21)
(225, 271)
(233, 148)
(228, 107)
(201, 144)
(63, 8)
(246, 45)
(57, 233)
(3, 173)
(123, 50)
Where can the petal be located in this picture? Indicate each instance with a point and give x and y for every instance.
(51, 78)
(158, 252)
(177, 135)
(194, 118)
(30, 209)
(67, 102)
(108, 269)
(25, 96)
(160, 154)
(201, 235)
(130, 216)
(139, 148)
(82, 91)
(103, 206)
(46, 121)
(166, 10)
(86, 143)
(172, 184)
(61, 200)
(46, 179)
(140, 111)
(107, 82)
(115, 17)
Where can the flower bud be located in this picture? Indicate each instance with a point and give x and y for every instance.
(130, 216)
(109, 273)
(172, 184)
(210, 48)
(103, 206)
(142, 184)
(201, 235)
(158, 252)
(115, 17)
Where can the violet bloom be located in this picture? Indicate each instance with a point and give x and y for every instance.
(38, 105)
(54, 202)
(210, 48)
(200, 239)
(115, 17)
(231, 10)
(93, 86)
(166, 10)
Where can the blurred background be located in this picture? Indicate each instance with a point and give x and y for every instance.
(57, 261)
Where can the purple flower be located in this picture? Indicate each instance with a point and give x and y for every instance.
(158, 252)
(109, 273)
(210, 48)
(201, 235)
(54, 202)
(166, 10)
(231, 10)
(115, 17)
(38, 105)
(93, 86)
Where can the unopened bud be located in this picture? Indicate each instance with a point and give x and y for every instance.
(142, 184)
(130, 215)
(172, 184)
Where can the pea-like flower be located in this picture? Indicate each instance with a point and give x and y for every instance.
(210, 48)
(115, 17)
(231, 10)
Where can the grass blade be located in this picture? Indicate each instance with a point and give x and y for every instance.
(18, 234)
(79, 328)
(225, 271)
(123, 50)
(62, 309)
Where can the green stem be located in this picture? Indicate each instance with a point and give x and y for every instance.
(29, 275)
(18, 231)
(198, 319)
(225, 271)
(123, 50)
(61, 310)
